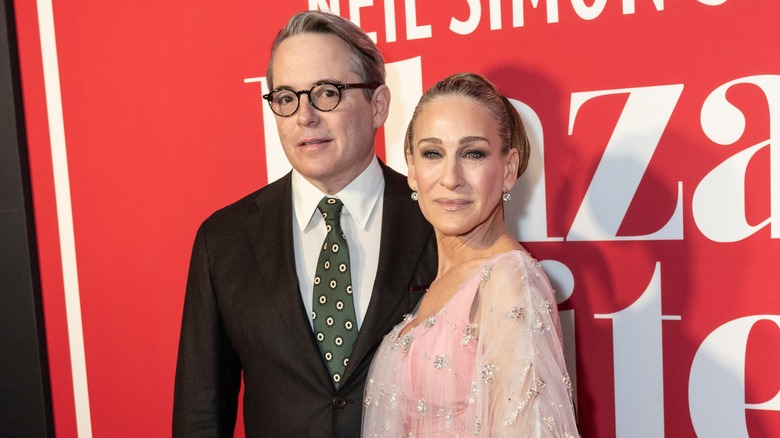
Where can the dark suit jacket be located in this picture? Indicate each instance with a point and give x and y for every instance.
(243, 313)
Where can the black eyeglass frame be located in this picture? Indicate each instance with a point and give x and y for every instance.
(339, 87)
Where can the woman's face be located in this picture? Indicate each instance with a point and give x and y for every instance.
(456, 165)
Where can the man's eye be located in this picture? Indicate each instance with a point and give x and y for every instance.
(284, 98)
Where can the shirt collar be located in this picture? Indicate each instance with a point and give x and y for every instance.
(359, 197)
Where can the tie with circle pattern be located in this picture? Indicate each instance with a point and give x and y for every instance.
(333, 310)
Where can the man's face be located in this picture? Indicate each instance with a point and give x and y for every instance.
(330, 148)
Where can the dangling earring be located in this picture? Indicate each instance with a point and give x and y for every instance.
(414, 196)
(506, 196)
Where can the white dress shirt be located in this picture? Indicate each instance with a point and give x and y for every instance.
(361, 221)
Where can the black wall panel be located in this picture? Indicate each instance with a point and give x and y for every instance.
(25, 396)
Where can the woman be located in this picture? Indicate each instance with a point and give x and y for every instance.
(482, 355)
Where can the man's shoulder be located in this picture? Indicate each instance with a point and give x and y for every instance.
(396, 187)
(392, 176)
(274, 193)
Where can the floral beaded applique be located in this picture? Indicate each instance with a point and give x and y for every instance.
(486, 274)
(406, 343)
(468, 334)
(421, 407)
(440, 362)
(488, 372)
(515, 313)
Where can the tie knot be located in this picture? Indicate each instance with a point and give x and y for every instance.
(330, 208)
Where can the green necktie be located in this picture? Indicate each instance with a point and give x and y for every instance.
(333, 310)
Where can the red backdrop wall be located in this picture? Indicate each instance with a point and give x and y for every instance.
(653, 197)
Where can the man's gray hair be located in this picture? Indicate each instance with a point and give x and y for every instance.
(366, 60)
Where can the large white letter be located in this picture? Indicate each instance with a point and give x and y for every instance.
(719, 200)
(518, 13)
(712, 2)
(639, 373)
(276, 163)
(716, 387)
(471, 23)
(588, 12)
(629, 6)
(495, 14)
(354, 14)
(390, 21)
(626, 158)
(526, 217)
(413, 31)
(322, 5)
(405, 81)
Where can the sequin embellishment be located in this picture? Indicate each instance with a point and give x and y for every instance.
(488, 372)
(478, 428)
(407, 343)
(515, 313)
(486, 274)
(474, 393)
(440, 361)
(540, 328)
(567, 383)
(468, 333)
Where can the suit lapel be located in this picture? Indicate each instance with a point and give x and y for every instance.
(405, 234)
(272, 244)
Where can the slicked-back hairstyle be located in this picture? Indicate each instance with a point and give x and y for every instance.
(366, 60)
(473, 86)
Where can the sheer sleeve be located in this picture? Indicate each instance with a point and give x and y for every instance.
(489, 363)
(523, 388)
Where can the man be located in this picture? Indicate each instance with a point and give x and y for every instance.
(255, 303)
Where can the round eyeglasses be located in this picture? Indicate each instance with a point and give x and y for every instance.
(324, 96)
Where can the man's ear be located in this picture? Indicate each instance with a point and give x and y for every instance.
(380, 104)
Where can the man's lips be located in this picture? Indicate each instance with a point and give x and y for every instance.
(313, 141)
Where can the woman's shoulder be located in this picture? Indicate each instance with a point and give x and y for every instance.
(515, 259)
(514, 270)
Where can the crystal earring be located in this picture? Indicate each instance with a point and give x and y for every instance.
(506, 196)
(414, 196)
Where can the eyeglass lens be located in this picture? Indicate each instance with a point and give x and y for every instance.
(324, 97)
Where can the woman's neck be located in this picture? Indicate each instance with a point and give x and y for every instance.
(482, 242)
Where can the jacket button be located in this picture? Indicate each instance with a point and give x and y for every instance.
(339, 402)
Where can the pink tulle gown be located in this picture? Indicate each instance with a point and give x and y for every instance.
(489, 363)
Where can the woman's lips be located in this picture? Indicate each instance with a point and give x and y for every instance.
(452, 204)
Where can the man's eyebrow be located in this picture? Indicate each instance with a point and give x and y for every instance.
(318, 81)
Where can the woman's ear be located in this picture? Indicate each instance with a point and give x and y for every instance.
(510, 170)
(410, 176)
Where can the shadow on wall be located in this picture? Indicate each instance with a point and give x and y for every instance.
(631, 264)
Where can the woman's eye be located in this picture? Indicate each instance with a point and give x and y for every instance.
(474, 154)
(431, 154)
